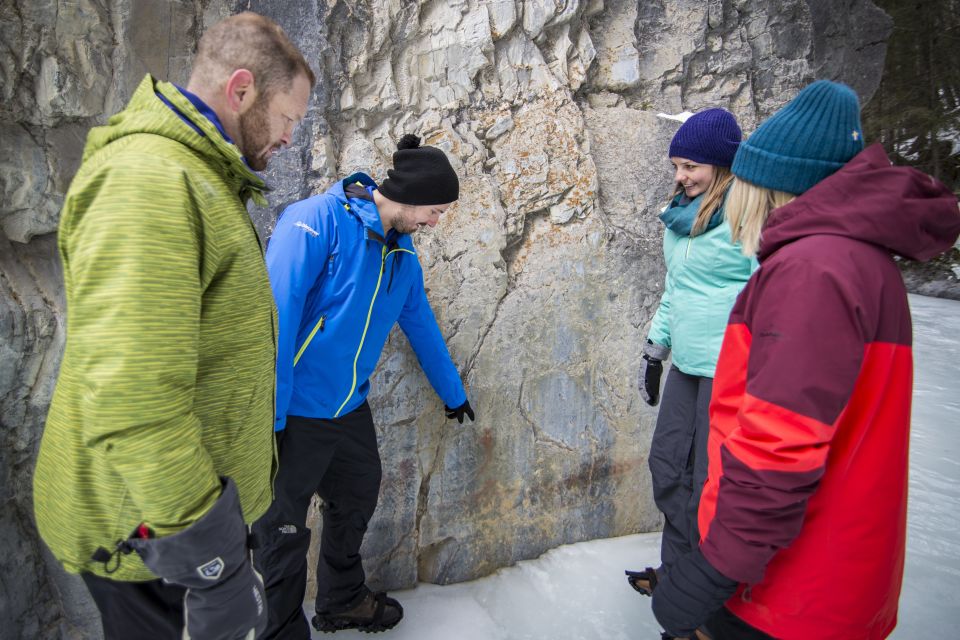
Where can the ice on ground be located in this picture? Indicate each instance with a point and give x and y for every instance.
(929, 602)
(579, 592)
(573, 591)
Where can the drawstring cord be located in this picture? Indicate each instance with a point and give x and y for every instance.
(141, 531)
(111, 560)
(393, 264)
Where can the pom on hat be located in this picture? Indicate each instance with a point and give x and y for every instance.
(420, 175)
(815, 134)
(408, 141)
(709, 137)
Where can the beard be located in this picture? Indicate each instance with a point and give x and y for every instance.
(402, 224)
(255, 143)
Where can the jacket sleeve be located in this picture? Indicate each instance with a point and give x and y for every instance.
(806, 347)
(134, 264)
(296, 258)
(660, 325)
(420, 326)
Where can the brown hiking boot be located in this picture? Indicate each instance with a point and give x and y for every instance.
(375, 612)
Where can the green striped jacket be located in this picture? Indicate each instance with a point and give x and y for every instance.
(167, 379)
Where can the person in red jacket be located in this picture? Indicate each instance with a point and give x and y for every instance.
(803, 515)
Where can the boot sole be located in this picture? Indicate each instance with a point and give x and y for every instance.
(326, 625)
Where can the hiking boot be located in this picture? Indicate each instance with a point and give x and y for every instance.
(644, 582)
(375, 612)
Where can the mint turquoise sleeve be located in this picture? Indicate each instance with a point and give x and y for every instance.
(660, 325)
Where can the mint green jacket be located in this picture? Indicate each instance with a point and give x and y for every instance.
(167, 379)
(705, 273)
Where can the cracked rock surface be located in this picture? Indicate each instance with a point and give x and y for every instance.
(543, 278)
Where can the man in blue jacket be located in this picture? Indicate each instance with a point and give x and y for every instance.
(343, 270)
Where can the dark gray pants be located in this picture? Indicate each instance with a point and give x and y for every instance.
(338, 460)
(723, 625)
(678, 460)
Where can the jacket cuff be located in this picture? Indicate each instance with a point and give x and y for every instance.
(656, 351)
(205, 553)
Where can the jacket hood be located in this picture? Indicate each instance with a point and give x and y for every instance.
(365, 211)
(339, 189)
(146, 113)
(898, 208)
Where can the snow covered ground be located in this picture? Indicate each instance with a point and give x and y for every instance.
(929, 603)
(578, 592)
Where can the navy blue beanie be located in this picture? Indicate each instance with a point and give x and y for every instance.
(708, 137)
(815, 134)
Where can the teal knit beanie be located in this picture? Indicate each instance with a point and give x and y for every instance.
(815, 134)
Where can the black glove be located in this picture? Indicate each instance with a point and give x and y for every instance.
(459, 412)
(225, 598)
(651, 369)
(690, 592)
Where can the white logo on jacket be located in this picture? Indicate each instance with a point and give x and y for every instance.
(306, 227)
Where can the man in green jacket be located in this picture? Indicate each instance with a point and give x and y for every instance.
(159, 438)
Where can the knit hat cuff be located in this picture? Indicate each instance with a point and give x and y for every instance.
(704, 156)
(781, 173)
(440, 191)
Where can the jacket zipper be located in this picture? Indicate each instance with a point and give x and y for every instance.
(353, 385)
(317, 327)
(273, 330)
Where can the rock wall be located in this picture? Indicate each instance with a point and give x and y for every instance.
(543, 277)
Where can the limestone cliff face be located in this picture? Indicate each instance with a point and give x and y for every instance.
(543, 277)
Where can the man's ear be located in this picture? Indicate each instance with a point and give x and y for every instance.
(241, 90)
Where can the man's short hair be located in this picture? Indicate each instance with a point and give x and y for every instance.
(250, 41)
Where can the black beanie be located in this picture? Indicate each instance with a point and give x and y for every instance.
(420, 175)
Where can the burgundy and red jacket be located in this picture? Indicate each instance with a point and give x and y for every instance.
(806, 498)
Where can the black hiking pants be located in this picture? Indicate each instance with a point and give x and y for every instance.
(723, 625)
(338, 460)
(678, 460)
(149, 610)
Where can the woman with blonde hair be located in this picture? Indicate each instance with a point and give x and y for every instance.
(705, 272)
(803, 515)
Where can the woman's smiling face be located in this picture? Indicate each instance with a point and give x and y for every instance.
(694, 177)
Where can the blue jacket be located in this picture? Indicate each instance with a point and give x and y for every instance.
(705, 273)
(340, 286)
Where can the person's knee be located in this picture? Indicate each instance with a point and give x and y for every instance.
(366, 493)
(665, 473)
(360, 519)
(281, 551)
